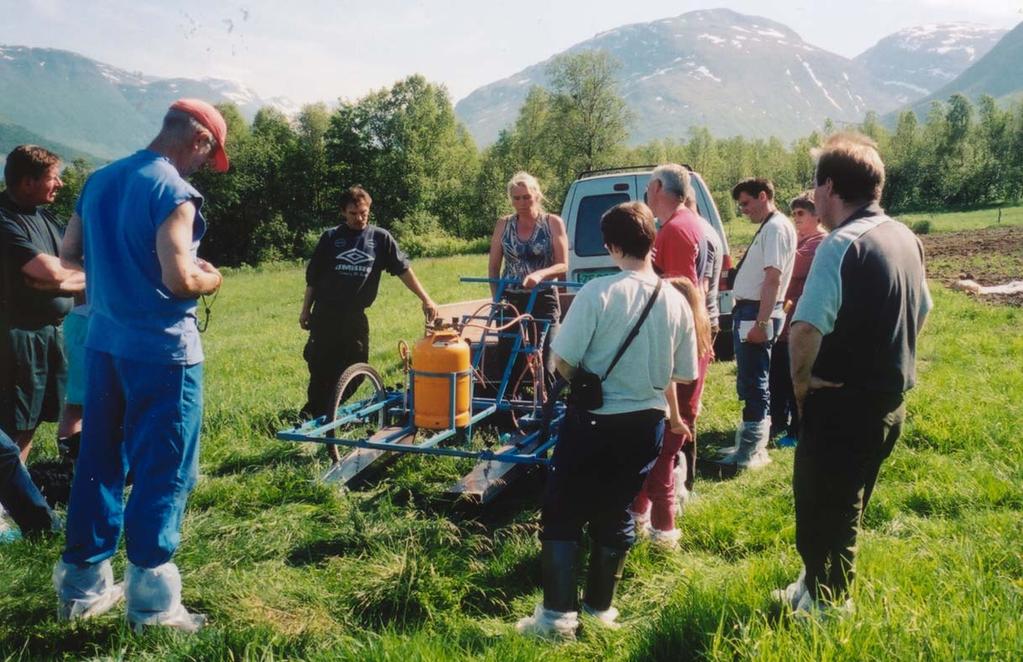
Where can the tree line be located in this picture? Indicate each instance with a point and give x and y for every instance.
(440, 194)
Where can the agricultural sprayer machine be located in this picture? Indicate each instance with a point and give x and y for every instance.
(483, 367)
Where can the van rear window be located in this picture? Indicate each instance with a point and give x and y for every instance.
(588, 240)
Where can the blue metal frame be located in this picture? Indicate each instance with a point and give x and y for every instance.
(391, 403)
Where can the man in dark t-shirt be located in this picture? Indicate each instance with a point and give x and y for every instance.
(853, 355)
(341, 283)
(35, 295)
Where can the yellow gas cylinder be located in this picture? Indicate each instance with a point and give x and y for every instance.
(442, 352)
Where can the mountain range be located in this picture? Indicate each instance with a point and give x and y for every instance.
(923, 59)
(999, 73)
(71, 100)
(746, 75)
(733, 73)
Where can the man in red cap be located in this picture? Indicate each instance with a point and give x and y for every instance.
(136, 230)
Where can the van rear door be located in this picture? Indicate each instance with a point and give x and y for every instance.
(587, 201)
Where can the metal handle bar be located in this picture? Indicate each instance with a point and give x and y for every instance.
(515, 281)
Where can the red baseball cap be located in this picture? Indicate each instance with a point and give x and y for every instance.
(210, 118)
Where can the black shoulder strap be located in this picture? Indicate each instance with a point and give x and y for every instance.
(754, 240)
(635, 329)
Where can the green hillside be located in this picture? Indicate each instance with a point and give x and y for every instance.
(12, 135)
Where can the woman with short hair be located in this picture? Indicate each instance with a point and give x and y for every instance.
(603, 456)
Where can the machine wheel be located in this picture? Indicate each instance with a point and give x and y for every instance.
(359, 381)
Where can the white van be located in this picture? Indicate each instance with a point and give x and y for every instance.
(596, 191)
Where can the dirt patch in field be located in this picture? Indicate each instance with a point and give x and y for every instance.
(992, 256)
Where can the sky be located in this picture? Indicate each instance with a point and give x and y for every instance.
(322, 50)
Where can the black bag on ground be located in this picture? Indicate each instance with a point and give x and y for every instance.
(53, 478)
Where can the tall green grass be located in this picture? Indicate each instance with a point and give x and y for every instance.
(289, 568)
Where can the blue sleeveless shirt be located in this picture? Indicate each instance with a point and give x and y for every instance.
(134, 315)
(522, 258)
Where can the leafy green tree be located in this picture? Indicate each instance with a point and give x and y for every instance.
(73, 176)
(404, 145)
(588, 120)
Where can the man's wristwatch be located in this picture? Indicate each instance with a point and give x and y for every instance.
(763, 324)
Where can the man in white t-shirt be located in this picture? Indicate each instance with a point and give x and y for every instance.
(759, 289)
(603, 456)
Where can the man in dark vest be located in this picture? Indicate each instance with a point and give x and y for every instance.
(853, 355)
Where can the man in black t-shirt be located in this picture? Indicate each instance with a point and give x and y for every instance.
(853, 354)
(35, 295)
(341, 283)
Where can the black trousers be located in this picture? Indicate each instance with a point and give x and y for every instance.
(336, 341)
(548, 307)
(598, 468)
(784, 415)
(845, 436)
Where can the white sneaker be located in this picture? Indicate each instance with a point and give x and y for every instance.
(548, 624)
(608, 617)
(665, 539)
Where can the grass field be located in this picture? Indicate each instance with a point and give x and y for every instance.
(287, 568)
(740, 230)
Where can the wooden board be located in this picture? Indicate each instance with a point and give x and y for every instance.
(458, 309)
(488, 478)
(356, 462)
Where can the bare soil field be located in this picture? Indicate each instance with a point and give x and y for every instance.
(992, 256)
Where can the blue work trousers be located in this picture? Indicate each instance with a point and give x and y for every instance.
(142, 418)
(19, 495)
(753, 361)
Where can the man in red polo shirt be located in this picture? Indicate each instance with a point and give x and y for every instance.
(680, 249)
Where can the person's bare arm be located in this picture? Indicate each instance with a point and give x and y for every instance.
(46, 273)
(307, 308)
(675, 422)
(71, 251)
(496, 254)
(185, 276)
(559, 240)
(414, 286)
(564, 368)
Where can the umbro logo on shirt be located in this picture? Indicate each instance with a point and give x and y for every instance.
(354, 256)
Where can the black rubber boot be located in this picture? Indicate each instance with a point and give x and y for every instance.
(603, 575)
(559, 561)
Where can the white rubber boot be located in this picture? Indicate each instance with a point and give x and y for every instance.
(608, 618)
(85, 591)
(666, 539)
(548, 624)
(791, 595)
(154, 598)
(753, 438)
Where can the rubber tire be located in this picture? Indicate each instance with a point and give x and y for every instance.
(353, 377)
